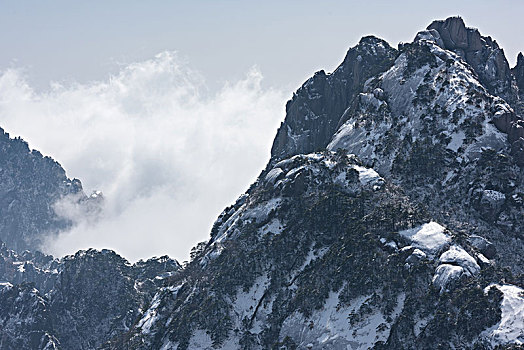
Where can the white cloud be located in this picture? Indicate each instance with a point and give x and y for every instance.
(167, 154)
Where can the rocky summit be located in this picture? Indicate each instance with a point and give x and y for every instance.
(390, 216)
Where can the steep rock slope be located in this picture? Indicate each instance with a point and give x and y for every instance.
(28, 267)
(323, 253)
(481, 52)
(314, 112)
(436, 131)
(518, 72)
(98, 296)
(30, 185)
(24, 319)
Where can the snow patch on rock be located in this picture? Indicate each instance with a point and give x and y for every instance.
(262, 211)
(151, 315)
(454, 263)
(510, 329)
(200, 340)
(430, 237)
(457, 139)
(246, 302)
(273, 175)
(329, 328)
(275, 226)
(369, 177)
(494, 196)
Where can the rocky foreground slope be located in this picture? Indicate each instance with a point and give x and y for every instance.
(323, 253)
(390, 216)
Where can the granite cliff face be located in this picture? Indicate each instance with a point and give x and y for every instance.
(431, 122)
(314, 113)
(390, 216)
(518, 72)
(24, 318)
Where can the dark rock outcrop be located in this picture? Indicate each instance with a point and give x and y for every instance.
(28, 267)
(94, 299)
(482, 53)
(518, 72)
(25, 319)
(314, 112)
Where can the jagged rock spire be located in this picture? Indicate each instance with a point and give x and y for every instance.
(518, 72)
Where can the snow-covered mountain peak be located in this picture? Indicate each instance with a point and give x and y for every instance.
(429, 95)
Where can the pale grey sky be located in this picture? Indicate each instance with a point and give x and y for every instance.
(173, 138)
(288, 40)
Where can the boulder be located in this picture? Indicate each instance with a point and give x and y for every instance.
(431, 35)
(503, 119)
(483, 245)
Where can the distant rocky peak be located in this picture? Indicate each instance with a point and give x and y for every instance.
(30, 187)
(373, 46)
(368, 48)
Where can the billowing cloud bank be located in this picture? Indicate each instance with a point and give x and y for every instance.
(167, 154)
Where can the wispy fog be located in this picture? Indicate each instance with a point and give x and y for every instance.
(167, 154)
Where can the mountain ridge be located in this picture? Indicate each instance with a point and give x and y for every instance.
(389, 217)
